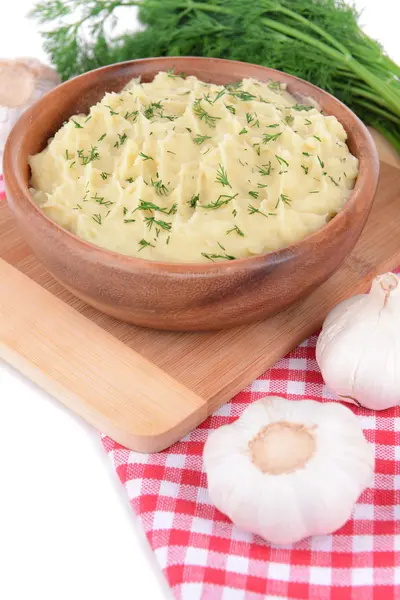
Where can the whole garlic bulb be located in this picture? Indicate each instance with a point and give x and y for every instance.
(358, 350)
(286, 470)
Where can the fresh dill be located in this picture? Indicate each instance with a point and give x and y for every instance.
(321, 162)
(306, 154)
(102, 137)
(273, 126)
(262, 185)
(244, 96)
(112, 112)
(289, 120)
(265, 170)
(154, 109)
(305, 169)
(221, 201)
(257, 148)
(144, 244)
(129, 220)
(231, 108)
(253, 210)
(160, 188)
(121, 140)
(194, 200)
(145, 156)
(172, 75)
(104, 175)
(97, 218)
(91, 156)
(275, 86)
(236, 230)
(244, 130)
(307, 122)
(150, 221)
(77, 125)
(131, 115)
(130, 180)
(222, 176)
(214, 257)
(284, 199)
(333, 181)
(100, 200)
(200, 139)
(254, 195)
(72, 164)
(317, 138)
(281, 160)
(271, 137)
(300, 107)
(203, 115)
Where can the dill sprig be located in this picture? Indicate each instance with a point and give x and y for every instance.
(265, 169)
(214, 257)
(203, 115)
(236, 230)
(221, 201)
(150, 221)
(144, 244)
(145, 156)
(90, 156)
(200, 139)
(253, 210)
(284, 199)
(160, 188)
(271, 137)
(222, 176)
(194, 200)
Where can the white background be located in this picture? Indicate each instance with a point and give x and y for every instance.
(66, 528)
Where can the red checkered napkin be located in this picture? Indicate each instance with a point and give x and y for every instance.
(205, 557)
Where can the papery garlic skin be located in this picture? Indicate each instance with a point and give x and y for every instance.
(358, 350)
(314, 498)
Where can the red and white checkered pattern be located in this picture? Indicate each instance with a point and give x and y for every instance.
(205, 557)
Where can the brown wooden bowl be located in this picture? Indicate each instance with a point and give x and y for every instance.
(169, 295)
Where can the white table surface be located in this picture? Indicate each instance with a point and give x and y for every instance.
(66, 527)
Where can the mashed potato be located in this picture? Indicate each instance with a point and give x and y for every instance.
(184, 171)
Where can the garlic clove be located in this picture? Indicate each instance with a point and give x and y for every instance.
(358, 350)
(287, 470)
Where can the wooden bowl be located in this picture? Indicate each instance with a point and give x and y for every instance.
(169, 295)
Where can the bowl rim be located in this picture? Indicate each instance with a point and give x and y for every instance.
(14, 179)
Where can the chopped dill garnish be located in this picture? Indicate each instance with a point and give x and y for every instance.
(234, 212)
(275, 86)
(100, 200)
(306, 154)
(301, 107)
(102, 137)
(66, 155)
(244, 130)
(167, 241)
(97, 218)
(252, 120)
(72, 164)
(129, 220)
(262, 185)
(214, 257)
(144, 244)
(78, 207)
(281, 160)
(199, 139)
(219, 95)
(317, 138)
(172, 75)
(222, 176)
(130, 180)
(145, 157)
(170, 152)
(152, 109)
(236, 230)
(104, 175)
(265, 169)
(203, 115)
(315, 192)
(112, 112)
(333, 181)
(253, 210)
(194, 200)
(289, 120)
(88, 119)
(321, 162)
(92, 155)
(307, 122)
(221, 201)
(160, 188)
(188, 129)
(254, 195)
(305, 169)
(125, 210)
(244, 96)
(77, 125)
(283, 198)
(231, 108)
(272, 126)
(150, 221)
(270, 137)
(121, 140)
(257, 148)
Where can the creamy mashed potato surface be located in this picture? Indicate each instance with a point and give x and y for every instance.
(184, 171)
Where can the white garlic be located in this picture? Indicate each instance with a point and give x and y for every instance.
(286, 470)
(22, 82)
(358, 350)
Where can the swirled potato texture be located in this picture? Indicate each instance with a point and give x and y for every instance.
(179, 170)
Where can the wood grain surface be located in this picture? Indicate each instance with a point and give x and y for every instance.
(148, 388)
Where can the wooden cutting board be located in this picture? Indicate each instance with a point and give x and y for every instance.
(145, 388)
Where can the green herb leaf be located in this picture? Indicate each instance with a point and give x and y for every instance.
(144, 244)
(221, 201)
(236, 230)
(244, 130)
(222, 176)
(271, 137)
(77, 125)
(199, 139)
(194, 200)
(305, 169)
(254, 195)
(301, 107)
(281, 160)
(145, 157)
(321, 162)
(203, 115)
(231, 108)
(214, 257)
